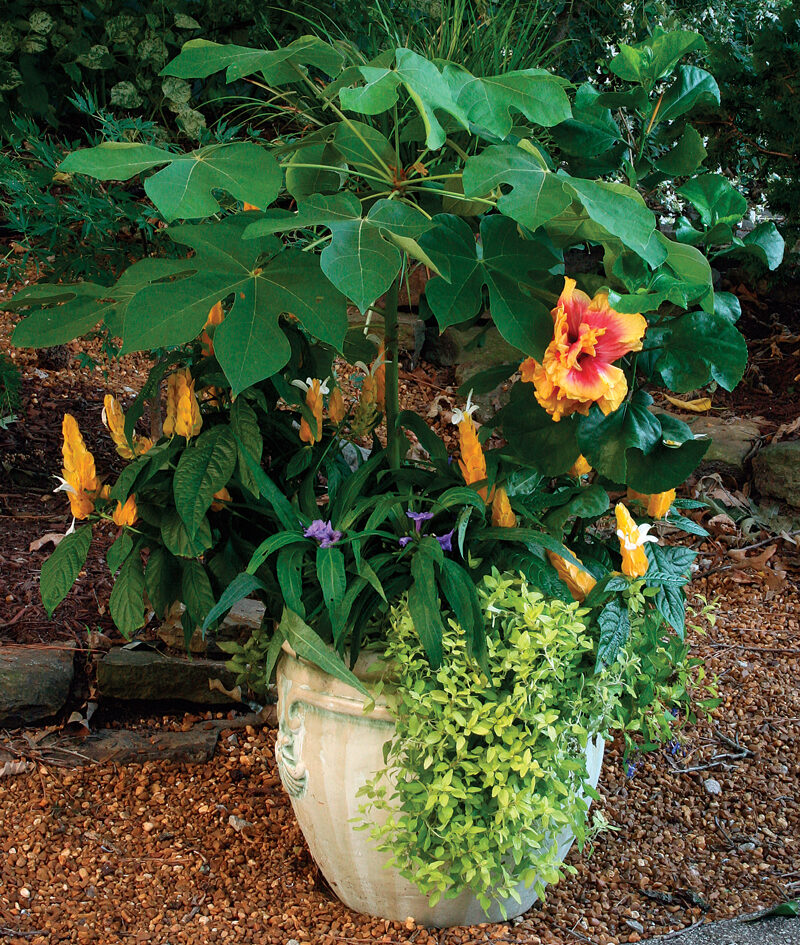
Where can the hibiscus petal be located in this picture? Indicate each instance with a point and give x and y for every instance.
(623, 332)
(593, 380)
(574, 303)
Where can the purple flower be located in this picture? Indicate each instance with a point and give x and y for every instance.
(446, 540)
(419, 517)
(323, 532)
(404, 540)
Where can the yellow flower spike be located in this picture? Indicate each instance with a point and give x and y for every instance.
(79, 480)
(336, 406)
(126, 514)
(183, 410)
(114, 421)
(579, 468)
(502, 513)
(632, 539)
(577, 370)
(220, 498)
(656, 504)
(472, 463)
(579, 582)
(314, 389)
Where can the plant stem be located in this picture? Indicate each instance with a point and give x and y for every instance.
(392, 373)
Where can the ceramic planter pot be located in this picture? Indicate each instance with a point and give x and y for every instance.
(327, 748)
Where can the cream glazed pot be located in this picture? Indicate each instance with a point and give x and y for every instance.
(327, 748)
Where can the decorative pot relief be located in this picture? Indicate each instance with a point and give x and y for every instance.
(289, 745)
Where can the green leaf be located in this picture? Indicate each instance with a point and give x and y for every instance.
(333, 583)
(423, 599)
(289, 571)
(692, 87)
(789, 909)
(489, 102)
(119, 550)
(184, 189)
(307, 644)
(714, 198)
(177, 539)
(591, 130)
(536, 194)
(617, 208)
(268, 490)
(363, 147)
(605, 440)
(240, 587)
(68, 311)
(699, 347)
(461, 594)
(126, 604)
(162, 578)
(687, 155)
(203, 469)
(690, 265)
(588, 502)
(534, 437)
(615, 627)
(664, 466)
(265, 281)
(651, 60)
(245, 427)
(361, 259)
(61, 569)
(764, 243)
(504, 263)
(200, 58)
(196, 590)
(423, 81)
(272, 544)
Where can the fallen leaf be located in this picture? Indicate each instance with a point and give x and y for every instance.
(699, 405)
(51, 538)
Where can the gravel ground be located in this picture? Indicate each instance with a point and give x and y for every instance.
(141, 853)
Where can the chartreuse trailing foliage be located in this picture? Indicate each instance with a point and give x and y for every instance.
(487, 766)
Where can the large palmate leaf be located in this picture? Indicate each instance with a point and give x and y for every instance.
(696, 348)
(68, 311)
(200, 58)
(184, 188)
(423, 81)
(264, 280)
(489, 102)
(504, 263)
(538, 195)
(591, 130)
(362, 258)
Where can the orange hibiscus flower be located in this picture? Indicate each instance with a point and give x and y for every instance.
(577, 370)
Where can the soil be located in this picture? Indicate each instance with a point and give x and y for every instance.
(192, 853)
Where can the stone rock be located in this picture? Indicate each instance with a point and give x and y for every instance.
(148, 674)
(34, 682)
(243, 618)
(471, 352)
(776, 470)
(733, 439)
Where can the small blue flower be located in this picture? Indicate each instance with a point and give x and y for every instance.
(419, 517)
(446, 540)
(323, 532)
(404, 540)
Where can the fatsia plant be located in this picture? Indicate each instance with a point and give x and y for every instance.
(494, 185)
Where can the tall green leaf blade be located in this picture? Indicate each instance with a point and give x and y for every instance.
(423, 599)
(61, 569)
(309, 645)
(268, 490)
(240, 587)
(333, 583)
